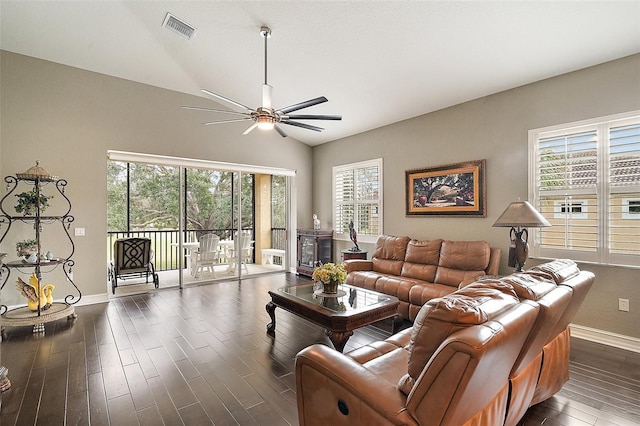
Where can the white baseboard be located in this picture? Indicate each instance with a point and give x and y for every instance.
(93, 299)
(605, 337)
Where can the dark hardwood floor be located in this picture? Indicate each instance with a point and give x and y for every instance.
(202, 356)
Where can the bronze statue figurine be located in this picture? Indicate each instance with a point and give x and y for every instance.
(354, 237)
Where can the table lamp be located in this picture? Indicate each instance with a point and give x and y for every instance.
(519, 215)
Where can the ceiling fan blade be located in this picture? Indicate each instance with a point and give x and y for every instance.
(226, 121)
(250, 128)
(279, 130)
(312, 117)
(303, 125)
(222, 98)
(215, 110)
(301, 105)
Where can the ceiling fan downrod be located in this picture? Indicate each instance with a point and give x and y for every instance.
(265, 32)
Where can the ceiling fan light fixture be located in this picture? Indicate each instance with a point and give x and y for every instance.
(266, 125)
(265, 120)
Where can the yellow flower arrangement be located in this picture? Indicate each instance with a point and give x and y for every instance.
(330, 272)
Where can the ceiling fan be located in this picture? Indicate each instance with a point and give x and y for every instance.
(265, 116)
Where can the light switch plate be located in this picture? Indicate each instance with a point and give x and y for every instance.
(623, 305)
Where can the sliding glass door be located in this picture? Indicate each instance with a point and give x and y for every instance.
(216, 203)
(204, 223)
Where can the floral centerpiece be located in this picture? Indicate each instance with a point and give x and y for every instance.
(330, 275)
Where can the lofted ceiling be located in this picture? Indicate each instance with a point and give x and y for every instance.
(378, 62)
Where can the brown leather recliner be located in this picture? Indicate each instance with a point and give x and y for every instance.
(553, 301)
(442, 383)
(555, 354)
(450, 368)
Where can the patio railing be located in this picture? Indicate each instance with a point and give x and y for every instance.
(164, 243)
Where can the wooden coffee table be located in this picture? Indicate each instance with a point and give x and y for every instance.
(351, 308)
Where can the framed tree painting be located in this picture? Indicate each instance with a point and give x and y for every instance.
(450, 190)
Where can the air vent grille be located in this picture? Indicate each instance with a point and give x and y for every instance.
(178, 26)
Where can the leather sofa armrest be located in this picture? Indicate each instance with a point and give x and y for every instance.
(328, 381)
(353, 265)
(494, 261)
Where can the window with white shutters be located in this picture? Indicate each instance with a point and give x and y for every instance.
(585, 181)
(357, 195)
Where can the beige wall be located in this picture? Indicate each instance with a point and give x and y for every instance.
(494, 128)
(68, 118)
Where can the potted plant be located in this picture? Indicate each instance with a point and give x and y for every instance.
(330, 275)
(27, 247)
(28, 202)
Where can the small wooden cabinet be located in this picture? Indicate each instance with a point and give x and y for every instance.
(314, 247)
(348, 254)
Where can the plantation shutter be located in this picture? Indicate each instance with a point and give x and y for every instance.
(368, 180)
(358, 198)
(624, 197)
(344, 194)
(568, 166)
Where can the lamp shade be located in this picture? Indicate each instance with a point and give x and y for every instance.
(521, 214)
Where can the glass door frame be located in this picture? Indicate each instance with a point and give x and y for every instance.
(184, 163)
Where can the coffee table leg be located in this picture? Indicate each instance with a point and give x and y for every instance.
(339, 338)
(271, 310)
(396, 321)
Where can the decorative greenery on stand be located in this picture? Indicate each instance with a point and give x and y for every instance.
(28, 202)
(26, 247)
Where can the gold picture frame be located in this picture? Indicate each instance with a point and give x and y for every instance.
(450, 190)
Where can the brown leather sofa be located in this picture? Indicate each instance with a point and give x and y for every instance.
(479, 356)
(418, 271)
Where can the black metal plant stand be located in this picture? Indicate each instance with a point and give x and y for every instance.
(45, 312)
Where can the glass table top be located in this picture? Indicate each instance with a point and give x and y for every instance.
(348, 300)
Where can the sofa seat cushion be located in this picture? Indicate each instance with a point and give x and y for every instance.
(421, 292)
(375, 349)
(394, 286)
(390, 366)
(401, 338)
(372, 350)
(364, 279)
(441, 317)
(389, 254)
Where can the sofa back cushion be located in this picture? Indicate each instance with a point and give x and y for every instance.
(421, 260)
(441, 317)
(389, 254)
(558, 270)
(529, 286)
(462, 261)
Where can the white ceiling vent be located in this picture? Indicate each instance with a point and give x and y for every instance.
(179, 27)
